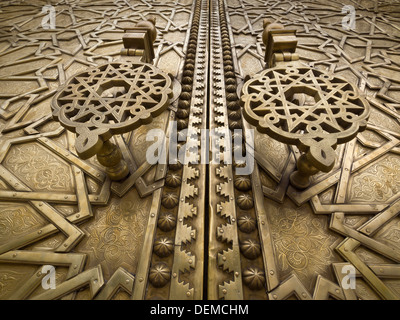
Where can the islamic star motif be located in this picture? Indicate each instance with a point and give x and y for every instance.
(110, 99)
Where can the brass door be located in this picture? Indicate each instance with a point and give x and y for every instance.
(195, 231)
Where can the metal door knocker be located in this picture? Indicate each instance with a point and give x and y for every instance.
(114, 98)
(303, 106)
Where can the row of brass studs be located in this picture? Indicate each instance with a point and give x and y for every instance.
(253, 274)
(160, 272)
(228, 257)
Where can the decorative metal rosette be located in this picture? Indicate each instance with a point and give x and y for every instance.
(110, 99)
(306, 107)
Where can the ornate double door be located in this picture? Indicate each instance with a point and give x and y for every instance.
(197, 230)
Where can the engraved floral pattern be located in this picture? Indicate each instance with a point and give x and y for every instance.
(301, 241)
(390, 234)
(7, 282)
(277, 152)
(378, 183)
(115, 237)
(393, 235)
(39, 169)
(15, 221)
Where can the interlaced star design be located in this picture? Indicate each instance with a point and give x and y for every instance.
(305, 107)
(110, 99)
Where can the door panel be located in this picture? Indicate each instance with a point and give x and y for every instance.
(56, 203)
(312, 234)
(198, 230)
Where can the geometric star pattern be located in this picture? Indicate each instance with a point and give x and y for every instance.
(110, 99)
(356, 195)
(265, 239)
(337, 111)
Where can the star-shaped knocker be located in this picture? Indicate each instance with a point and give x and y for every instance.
(114, 98)
(303, 106)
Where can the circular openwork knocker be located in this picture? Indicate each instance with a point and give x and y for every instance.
(306, 107)
(111, 99)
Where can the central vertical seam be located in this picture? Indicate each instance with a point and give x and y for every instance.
(207, 180)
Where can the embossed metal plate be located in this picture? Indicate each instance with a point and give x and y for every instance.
(196, 230)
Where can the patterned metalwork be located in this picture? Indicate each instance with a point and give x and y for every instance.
(305, 107)
(328, 208)
(112, 240)
(110, 99)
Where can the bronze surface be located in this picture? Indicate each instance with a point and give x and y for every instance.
(194, 231)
